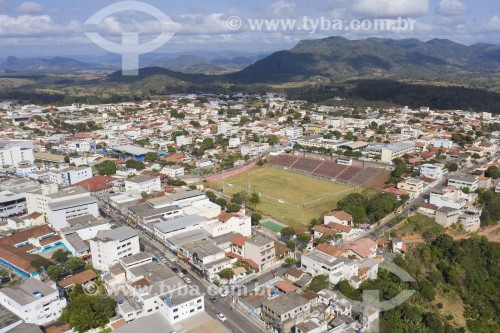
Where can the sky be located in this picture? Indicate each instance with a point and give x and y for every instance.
(58, 27)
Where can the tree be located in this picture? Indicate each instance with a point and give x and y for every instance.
(60, 255)
(476, 156)
(291, 244)
(256, 217)
(240, 198)
(134, 164)
(221, 202)
(273, 139)
(211, 195)
(493, 172)
(66, 159)
(289, 262)
(319, 282)
(41, 262)
(452, 167)
(254, 199)
(151, 157)
(54, 272)
(87, 312)
(287, 233)
(226, 273)
(233, 207)
(106, 168)
(74, 264)
(348, 291)
(303, 239)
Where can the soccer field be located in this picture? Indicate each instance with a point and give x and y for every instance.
(293, 189)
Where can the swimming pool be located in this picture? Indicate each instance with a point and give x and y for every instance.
(55, 247)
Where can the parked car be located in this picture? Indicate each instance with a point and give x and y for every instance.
(212, 299)
(187, 280)
(175, 269)
(224, 293)
(180, 274)
(184, 271)
(221, 317)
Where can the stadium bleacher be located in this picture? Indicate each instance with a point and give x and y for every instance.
(326, 169)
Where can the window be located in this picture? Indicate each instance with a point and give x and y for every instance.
(175, 310)
(175, 317)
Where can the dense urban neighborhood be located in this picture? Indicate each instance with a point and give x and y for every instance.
(246, 213)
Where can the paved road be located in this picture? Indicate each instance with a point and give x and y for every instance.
(236, 321)
(384, 228)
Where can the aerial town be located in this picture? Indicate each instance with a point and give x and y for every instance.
(226, 213)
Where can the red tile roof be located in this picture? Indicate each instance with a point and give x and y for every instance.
(239, 240)
(324, 230)
(330, 250)
(80, 278)
(341, 215)
(285, 286)
(340, 227)
(97, 183)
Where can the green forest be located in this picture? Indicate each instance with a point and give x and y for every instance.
(456, 288)
(435, 97)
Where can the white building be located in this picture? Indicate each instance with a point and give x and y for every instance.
(234, 142)
(226, 129)
(75, 175)
(434, 171)
(38, 200)
(464, 181)
(442, 143)
(12, 203)
(173, 171)
(14, 152)
(143, 183)
(58, 213)
(155, 289)
(172, 227)
(229, 222)
(293, 132)
(34, 301)
(183, 140)
(111, 245)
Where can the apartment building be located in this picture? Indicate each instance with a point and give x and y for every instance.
(464, 181)
(286, 310)
(111, 245)
(435, 171)
(413, 186)
(226, 129)
(173, 171)
(155, 289)
(386, 153)
(229, 222)
(12, 203)
(34, 301)
(15, 152)
(143, 183)
(261, 250)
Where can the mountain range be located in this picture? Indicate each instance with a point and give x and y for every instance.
(340, 59)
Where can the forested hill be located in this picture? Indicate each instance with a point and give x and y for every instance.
(456, 283)
(436, 97)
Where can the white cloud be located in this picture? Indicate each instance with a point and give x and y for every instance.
(392, 8)
(451, 7)
(29, 25)
(30, 8)
(281, 7)
(491, 25)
